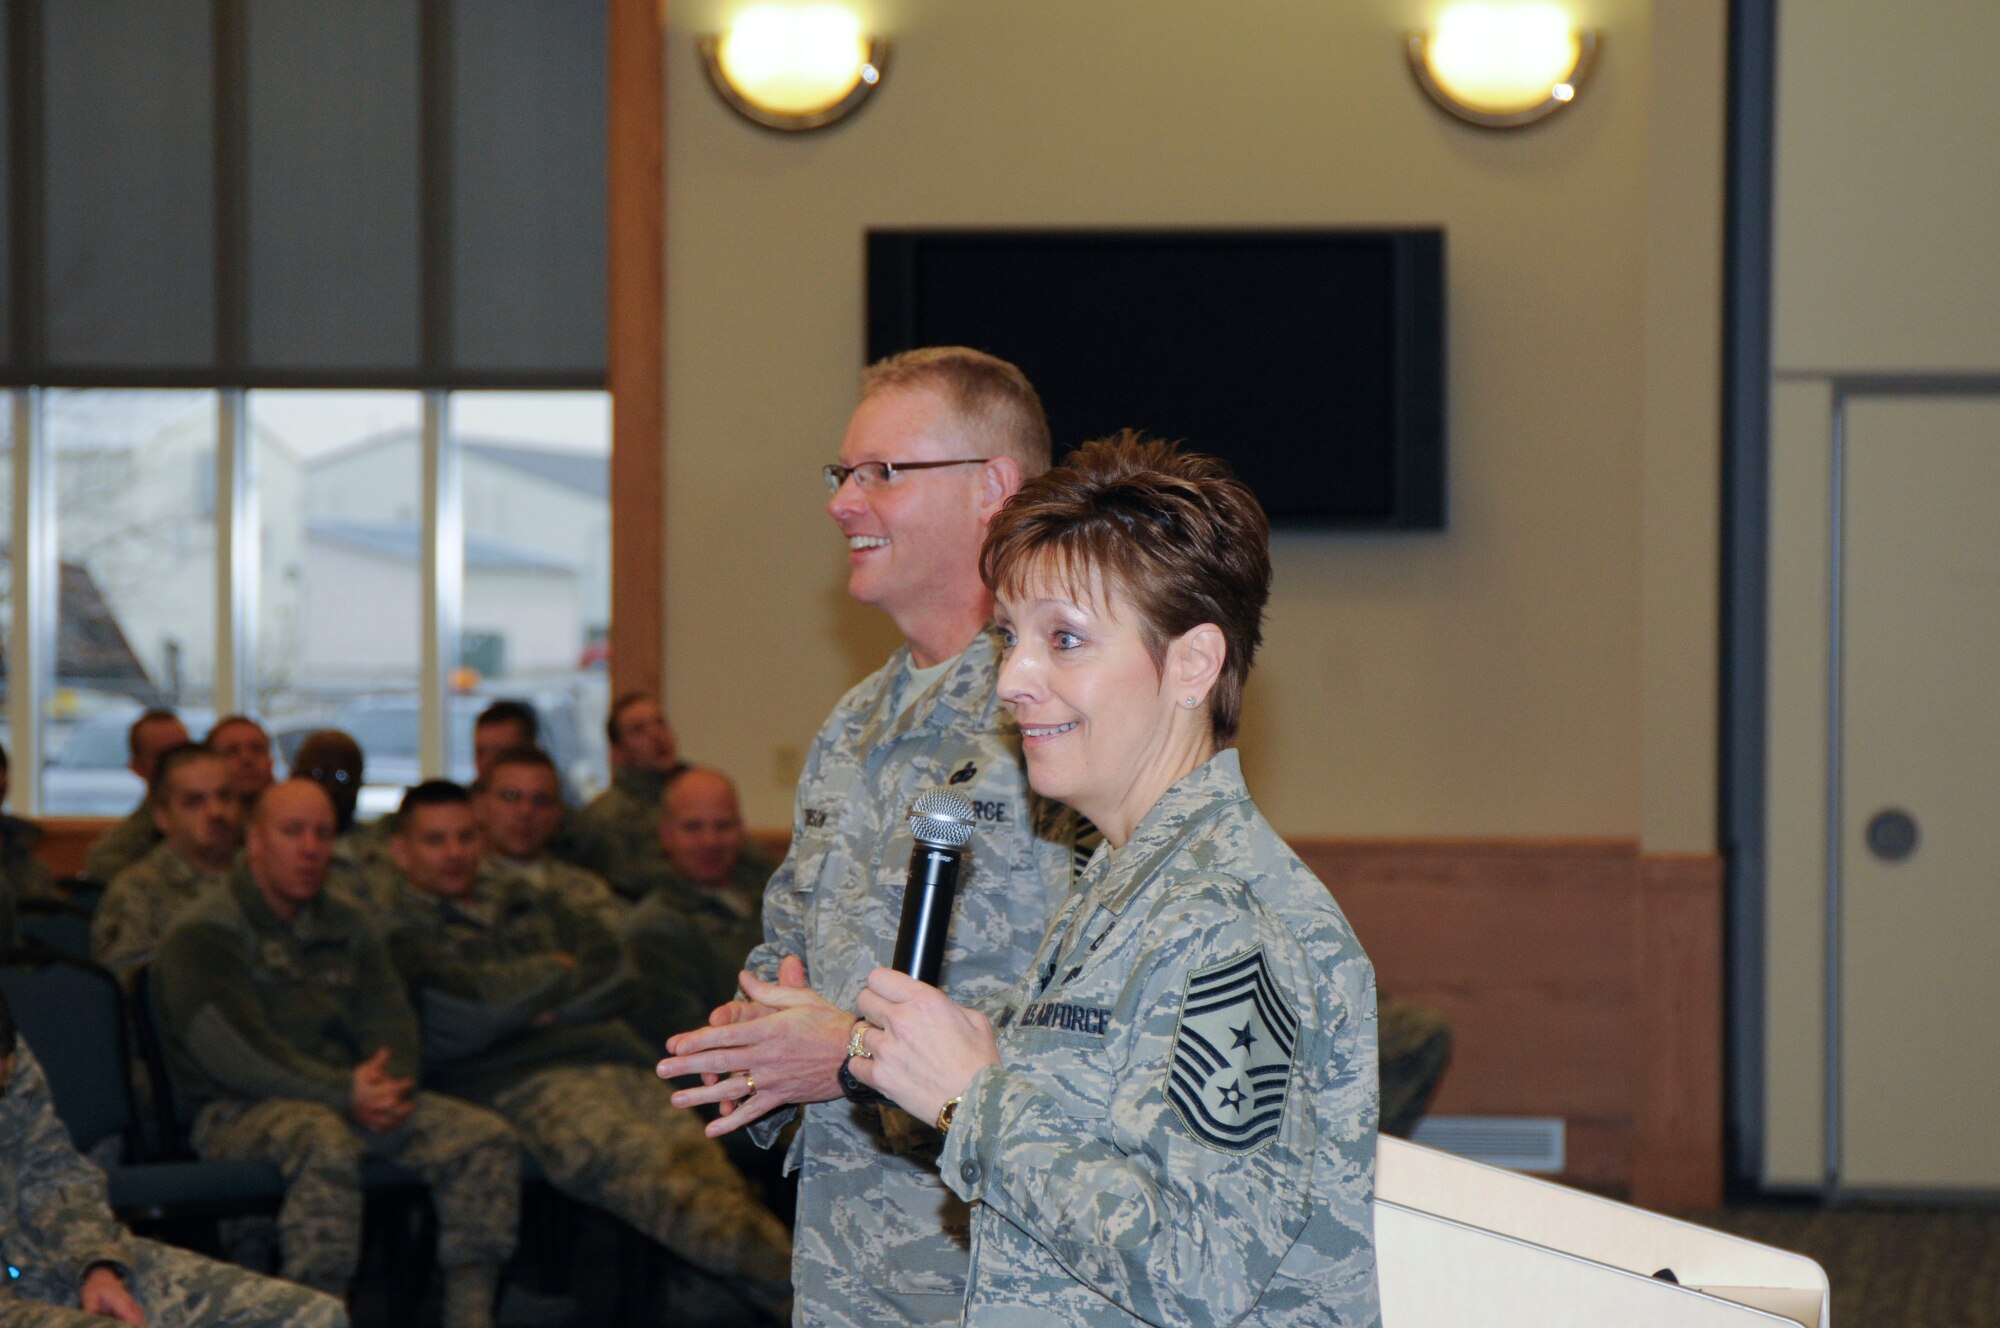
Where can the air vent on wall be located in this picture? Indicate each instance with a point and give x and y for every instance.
(1519, 1143)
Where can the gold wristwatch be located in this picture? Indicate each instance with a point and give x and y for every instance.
(946, 1113)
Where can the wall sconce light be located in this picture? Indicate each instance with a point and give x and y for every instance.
(1501, 66)
(794, 66)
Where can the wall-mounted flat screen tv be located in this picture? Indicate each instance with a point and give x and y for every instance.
(1311, 360)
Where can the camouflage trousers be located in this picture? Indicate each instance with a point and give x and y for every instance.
(606, 1135)
(178, 1289)
(469, 1158)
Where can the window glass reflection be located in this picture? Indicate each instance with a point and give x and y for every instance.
(337, 479)
(536, 474)
(135, 587)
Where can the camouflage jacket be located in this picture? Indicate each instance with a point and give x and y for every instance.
(879, 1239)
(122, 845)
(617, 833)
(1183, 1127)
(579, 887)
(495, 998)
(364, 871)
(141, 903)
(687, 943)
(258, 1008)
(55, 1218)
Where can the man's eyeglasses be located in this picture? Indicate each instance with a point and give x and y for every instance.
(871, 473)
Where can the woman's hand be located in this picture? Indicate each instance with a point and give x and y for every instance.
(923, 1050)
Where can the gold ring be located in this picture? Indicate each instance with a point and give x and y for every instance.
(751, 1080)
(855, 1046)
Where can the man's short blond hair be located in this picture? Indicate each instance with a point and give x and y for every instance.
(991, 398)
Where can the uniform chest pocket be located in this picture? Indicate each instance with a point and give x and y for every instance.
(1065, 1046)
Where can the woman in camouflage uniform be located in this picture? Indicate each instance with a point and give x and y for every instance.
(1174, 1119)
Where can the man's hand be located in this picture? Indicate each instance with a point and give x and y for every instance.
(379, 1101)
(104, 1293)
(793, 1048)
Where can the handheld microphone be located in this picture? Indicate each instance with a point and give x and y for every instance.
(941, 824)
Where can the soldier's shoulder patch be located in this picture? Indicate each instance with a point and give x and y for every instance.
(1232, 1059)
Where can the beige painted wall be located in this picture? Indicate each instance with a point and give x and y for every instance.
(1524, 672)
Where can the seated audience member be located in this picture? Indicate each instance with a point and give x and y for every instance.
(1415, 1046)
(131, 839)
(518, 802)
(197, 811)
(502, 727)
(688, 936)
(290, 1039)
(363, 871)
(513, 988)
(70, 1264)
(616, 834)
(22, 874)
(242, 741)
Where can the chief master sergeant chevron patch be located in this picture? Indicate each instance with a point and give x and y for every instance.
(1232, 1062)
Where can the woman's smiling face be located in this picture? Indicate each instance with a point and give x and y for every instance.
(1096, 715)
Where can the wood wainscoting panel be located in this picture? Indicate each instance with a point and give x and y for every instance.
(66, 839)
(1677, 1157)
(1582, 979)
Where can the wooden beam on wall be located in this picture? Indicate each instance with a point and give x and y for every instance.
(638, 308)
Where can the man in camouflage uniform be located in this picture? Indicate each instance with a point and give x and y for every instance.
(502, 727)
(940, 440)
(362, 871)
(517, 993)
(1416, 1050)
(243, 743)
(290, 1038)
(131, 839)
(1183, 1126)
(22, 874)
(70, 1264)
(196, 809)
(518, 802)
(687, 937)
(617, 833)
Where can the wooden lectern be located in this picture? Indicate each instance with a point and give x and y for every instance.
(1462, 1245)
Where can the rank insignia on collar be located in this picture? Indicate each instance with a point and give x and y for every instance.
(1232, 1059)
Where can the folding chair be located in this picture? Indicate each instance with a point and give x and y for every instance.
(58, 924)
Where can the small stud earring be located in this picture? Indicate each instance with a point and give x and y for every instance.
(1189, 702)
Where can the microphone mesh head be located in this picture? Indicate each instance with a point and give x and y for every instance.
(941, 818)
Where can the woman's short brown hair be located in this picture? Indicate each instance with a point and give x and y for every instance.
(1176, 533)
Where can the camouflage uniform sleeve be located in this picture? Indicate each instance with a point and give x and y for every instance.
(120, 937)
(466, 1007)
(1171, 1228)
(64, 1206)
(600, 985)
(382, 1013)
(210, 1005)
(534, 982)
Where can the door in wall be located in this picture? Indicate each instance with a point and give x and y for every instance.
(1918, 801)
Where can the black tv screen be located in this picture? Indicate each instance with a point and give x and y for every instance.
(1312, 361)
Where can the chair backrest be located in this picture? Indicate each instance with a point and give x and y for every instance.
(169, 1129)
(73, 1015)
(86, 892)
(61, 926)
